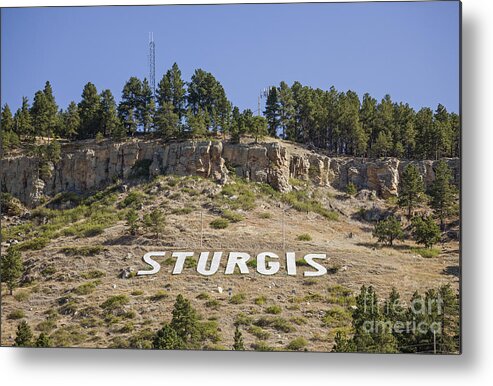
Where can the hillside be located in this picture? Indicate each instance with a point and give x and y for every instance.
(80, 256)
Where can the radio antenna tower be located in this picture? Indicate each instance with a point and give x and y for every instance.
(152, 63)
(264, 93)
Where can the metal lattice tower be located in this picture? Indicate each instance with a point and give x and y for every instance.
(152, 62)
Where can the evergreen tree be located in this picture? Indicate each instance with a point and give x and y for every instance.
(71, 121)
(110, 124)
(23, 121)
(43, 341)
(132, 221)
(7, 119)
(425, 231)
(443, 193)
(51, 110)
(166, 121)
(258, 127)
(196, 123)
(146, 107)
(388, 230)
(89, 112)
(167, 339)
(155, 221)
(11, 268)
(128, 109)
(286, 111)
(411, 189)
(272, 111)
(24, 335)
(185, 321)
(39, 114)
(382, 145)
(238, 340)
(171, 90)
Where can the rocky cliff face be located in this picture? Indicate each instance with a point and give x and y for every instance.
(90, 166)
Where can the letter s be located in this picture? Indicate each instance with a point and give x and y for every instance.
(320, 269)
(154, 264)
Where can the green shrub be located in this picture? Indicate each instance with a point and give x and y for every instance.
(265, 215)
(304, 237)
(299, 320)
(336, 317)
(17, 314)
(238, 196)
(203, 296)
(213, 304)
(243, 320)
(160, 295)
(219, 223)
(351, 189)
(259, 332)
(137, 293)
(297, 344)
(94, 274)
(232, 216)
(86, 288)
(34, 244)
(114, 302)
(83, 251)
(277, 323)
(427, 252)
(21, 296)
(185, 210)
(275, 309)
(133, 199)
(262, 346)
(238, 298)
(260, 300)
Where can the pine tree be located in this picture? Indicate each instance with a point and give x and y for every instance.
(411, 189)
(43, 341)
(24, 335)
(109, 122)
(425, 231)
(258, 128)
(286, 111)
(51, 110)
(71, 121)
(132, 221)
(89, 112)
(382, 145)
(166, 121)
(443, 193)
(39, 113)
(11, 268)
(171, 90)
(146, 107)
(128, 109)
(23, 121)
(7, 118)
(238, 340)
(388, 230)
(167, 339)
(196, 123)
(272, 111)
(185, 321)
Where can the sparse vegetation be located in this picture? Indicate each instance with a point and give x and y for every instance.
(304, 237)
(219, 223)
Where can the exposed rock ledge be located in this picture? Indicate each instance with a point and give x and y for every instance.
(88, 166)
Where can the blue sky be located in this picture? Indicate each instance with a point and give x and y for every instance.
(408, 50)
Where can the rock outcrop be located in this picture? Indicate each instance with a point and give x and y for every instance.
(89, 166)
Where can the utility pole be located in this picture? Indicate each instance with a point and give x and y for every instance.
(201, 227)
